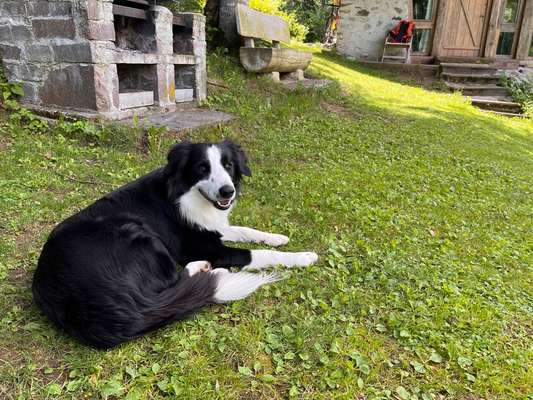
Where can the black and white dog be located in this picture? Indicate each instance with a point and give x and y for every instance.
(110, 273)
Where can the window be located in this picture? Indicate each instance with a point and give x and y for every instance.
(505, 44)
(423, 9)
(510, 11)
(421, 41)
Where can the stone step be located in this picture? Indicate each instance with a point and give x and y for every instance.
(497, 105)
(477, 78)
(507, 114)
(468, 68)
(472, 89)
(463, 60)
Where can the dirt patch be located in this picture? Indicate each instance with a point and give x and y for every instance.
(28, 237)
(5, 144)
(339, 110)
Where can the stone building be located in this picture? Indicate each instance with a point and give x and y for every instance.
(103, 57)
(499, 31)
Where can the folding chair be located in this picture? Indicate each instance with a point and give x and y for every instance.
(401, 37)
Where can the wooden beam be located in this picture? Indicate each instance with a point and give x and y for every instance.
(526, 32)
(493, 30)
(180, 20)
(129, 12)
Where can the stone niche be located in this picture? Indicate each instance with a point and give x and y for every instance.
(105, 58)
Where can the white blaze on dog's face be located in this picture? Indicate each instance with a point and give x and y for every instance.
(218, 186)
(204, 180)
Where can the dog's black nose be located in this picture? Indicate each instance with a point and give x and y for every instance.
(226, 191)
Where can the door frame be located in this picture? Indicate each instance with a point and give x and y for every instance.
(510, 27)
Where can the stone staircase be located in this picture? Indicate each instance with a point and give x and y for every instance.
(479, 81)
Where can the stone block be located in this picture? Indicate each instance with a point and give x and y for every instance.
(101, 30)
(39, 8)
(32, 72)
(99, 11)
(31, 92)
(166, 87)
(54, 28)
(5, 34)
(20, 33)
(73, 52)
(70, 87)
(163, 19)
(106, 87)
(103, 52)
(61, 8)
(8, 52)
(12, 70)
(13, 8)
(39, 53)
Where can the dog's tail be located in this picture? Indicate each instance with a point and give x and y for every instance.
(201, 289)
(233, 286)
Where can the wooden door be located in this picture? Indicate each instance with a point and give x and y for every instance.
(462, 28)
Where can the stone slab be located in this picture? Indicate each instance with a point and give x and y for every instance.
(186, 119)
(183, 95)
(136, 99)
(47, 28)
(255, 24)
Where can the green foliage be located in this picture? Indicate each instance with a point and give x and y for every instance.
(185, 5)
(312, 14)
(521, 89)
(298, 31)
(417, 203)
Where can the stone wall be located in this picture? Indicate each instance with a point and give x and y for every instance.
(44, 45)
(74, 54)
(364, 25)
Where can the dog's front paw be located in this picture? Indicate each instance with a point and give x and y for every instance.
(304, 259)
(198, 266)
(276, 240)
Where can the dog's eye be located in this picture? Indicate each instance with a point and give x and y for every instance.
(228, 165)
(202, 168)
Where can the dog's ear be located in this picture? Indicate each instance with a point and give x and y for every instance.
(239, 156)
(177, 157)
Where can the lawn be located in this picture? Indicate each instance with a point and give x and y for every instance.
(419, 205)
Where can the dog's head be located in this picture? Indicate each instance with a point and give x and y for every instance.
(215, 170)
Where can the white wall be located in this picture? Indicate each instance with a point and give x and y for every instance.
(364, 24)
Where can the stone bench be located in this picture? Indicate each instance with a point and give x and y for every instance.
(253, 25)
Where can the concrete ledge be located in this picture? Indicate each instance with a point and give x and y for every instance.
(409, 69)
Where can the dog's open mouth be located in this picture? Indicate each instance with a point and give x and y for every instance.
(220, 204)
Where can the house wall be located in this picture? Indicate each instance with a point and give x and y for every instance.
(364, 24)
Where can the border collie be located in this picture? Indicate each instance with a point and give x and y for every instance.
(111, 272)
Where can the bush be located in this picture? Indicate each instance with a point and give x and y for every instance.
(185, 5)
(520, 85)
(311, 13)
(274, 7)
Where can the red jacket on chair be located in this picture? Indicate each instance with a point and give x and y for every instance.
(403, 32)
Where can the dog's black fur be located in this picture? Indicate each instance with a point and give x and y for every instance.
(110, 273)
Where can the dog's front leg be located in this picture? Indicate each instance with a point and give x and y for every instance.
(227, 257)
(249, 235)
(268, 258)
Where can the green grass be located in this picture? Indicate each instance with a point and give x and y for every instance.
(419, 205)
